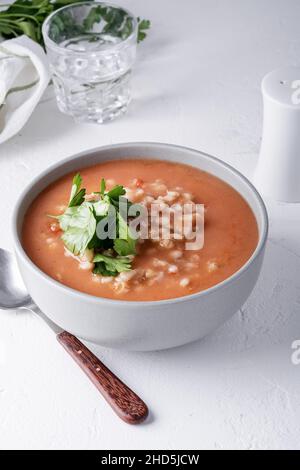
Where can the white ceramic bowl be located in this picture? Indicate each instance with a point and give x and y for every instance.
(141, 325)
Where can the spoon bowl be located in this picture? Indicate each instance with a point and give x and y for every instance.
(13, 293)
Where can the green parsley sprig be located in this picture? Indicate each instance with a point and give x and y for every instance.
(79, 223)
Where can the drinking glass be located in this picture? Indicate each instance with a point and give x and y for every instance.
(91, 47)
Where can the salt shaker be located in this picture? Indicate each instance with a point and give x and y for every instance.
(278, 170)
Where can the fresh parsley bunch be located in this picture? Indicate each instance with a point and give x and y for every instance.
(27, 17)
(79, 223)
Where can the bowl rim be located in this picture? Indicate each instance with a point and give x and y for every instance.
(144, 303)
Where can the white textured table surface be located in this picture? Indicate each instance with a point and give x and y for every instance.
(197, 83)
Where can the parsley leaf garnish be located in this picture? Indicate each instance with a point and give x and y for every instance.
(77, 194)
(116, 192)
(100, 268)
(79, 223)
(110, 266)
(125, 244)
(79, 227)
(102, 187)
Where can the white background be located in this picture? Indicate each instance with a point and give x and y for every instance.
(196, 83)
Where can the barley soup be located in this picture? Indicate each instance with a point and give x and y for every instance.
(65, 248)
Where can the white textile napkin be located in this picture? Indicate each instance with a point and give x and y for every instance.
(24, 76)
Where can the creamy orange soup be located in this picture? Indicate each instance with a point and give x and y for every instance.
(162, 269)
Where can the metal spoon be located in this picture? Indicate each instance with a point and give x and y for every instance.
(13, 295)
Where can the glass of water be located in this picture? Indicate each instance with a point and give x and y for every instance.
(91, 47)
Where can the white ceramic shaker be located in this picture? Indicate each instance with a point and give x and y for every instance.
(278, 170)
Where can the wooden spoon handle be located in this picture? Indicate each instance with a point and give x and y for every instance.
(123, 401)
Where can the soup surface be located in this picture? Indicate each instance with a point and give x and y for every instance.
(161, 269)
